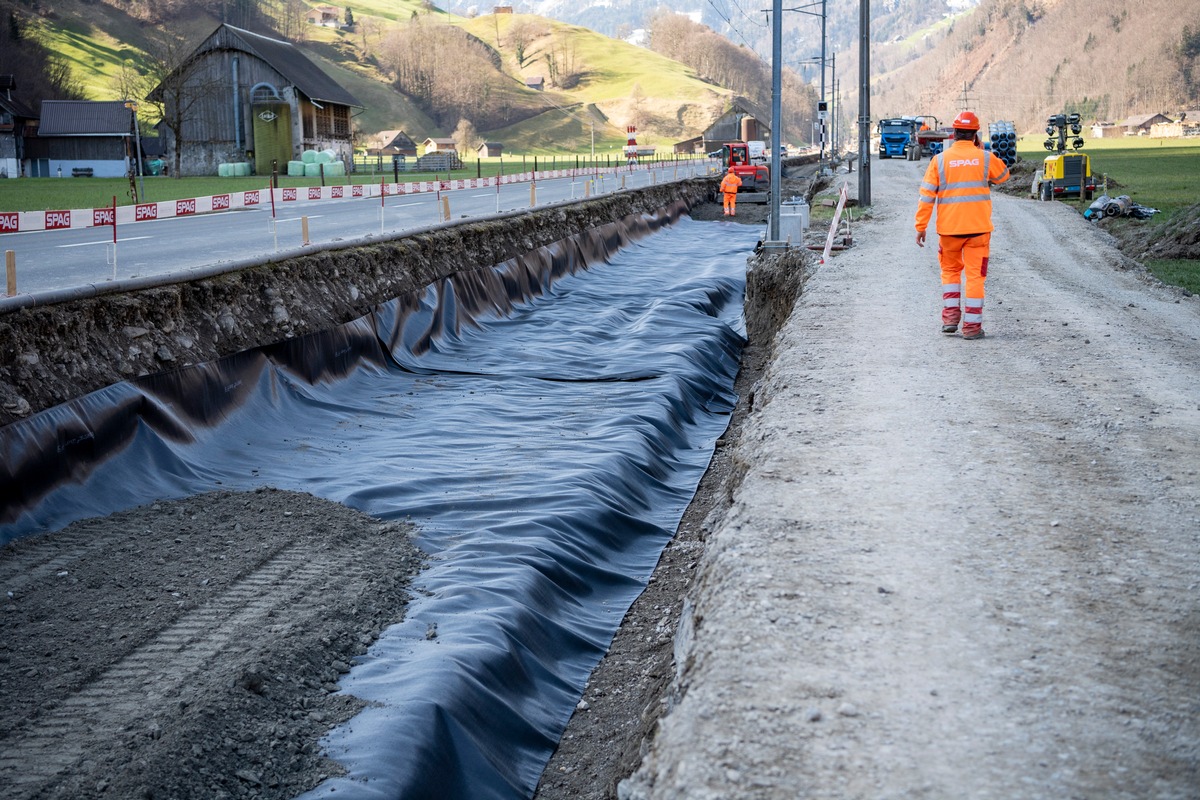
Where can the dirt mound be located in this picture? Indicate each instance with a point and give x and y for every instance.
(1020, 178)
(1177, 238)
(191, 648)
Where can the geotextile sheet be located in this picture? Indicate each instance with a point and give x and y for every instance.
(543, 422)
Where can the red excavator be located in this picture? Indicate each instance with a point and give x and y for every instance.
(756, 178)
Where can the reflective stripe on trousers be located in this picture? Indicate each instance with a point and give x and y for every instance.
(964, 259)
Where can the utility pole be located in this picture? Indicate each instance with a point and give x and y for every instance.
(864, 102)
(821, 156)
(776, 115)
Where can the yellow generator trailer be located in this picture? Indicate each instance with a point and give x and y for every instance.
(1067, 175)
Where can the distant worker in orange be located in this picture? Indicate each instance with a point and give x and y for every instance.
(729, 188)
(958, 181)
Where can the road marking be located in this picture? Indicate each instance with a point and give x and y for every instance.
(297, 219)
(106, 241)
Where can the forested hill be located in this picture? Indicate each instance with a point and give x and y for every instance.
(418, 68)
(1026, 59)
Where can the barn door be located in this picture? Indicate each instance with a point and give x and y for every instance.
(272, 136)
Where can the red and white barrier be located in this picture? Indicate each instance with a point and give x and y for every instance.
(19, 221)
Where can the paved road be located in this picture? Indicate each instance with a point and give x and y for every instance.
(49, 260)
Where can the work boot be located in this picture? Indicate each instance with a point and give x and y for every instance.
(972, 330)
(950, 318)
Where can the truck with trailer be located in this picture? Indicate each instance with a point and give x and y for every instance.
(931, 137)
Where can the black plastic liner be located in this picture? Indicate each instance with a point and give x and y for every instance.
(543, 426)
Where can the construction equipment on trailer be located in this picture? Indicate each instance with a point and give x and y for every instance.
(756, 177)
(930, 136)
(898, 138)
(1064, 174)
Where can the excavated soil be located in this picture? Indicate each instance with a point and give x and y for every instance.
(190, 649)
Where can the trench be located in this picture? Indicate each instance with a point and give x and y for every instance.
(544, 421)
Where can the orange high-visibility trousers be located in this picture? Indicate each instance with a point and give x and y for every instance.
(959, 255)
(730, 202)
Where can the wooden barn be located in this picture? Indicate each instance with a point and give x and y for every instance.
(242, 96)
(82, 138)
(392, 143)
(742, 121)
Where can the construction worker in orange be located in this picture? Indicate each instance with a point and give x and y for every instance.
(729, 188)
(958, 182)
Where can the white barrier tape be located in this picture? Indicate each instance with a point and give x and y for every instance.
(23, 221)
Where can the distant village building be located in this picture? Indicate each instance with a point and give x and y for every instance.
(255, 98)
(536, 82)
(391, 143)
(440, 146)
(82, 138)
(1140, 125)
(490, 150)
(1188, 124)
(502, 10)
(324, 16)
(18, 122)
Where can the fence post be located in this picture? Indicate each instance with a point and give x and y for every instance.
(10, 267)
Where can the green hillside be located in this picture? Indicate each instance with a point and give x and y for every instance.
(611, 84)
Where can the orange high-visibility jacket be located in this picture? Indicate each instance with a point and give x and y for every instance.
(959, 181)
(730, 183)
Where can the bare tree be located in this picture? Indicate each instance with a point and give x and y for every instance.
(521, 34)
(466, 136)
(637, 98)
(41, 76)
(182, 88)
(450, 88)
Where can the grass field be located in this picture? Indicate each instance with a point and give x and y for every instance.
(1158, 173)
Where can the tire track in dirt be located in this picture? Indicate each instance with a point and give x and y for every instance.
(229, 683)
(132, 691)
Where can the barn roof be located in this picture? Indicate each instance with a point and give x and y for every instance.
(285, 58)
(10, 103)
(85, 118)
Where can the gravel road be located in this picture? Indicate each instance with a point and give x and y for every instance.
(955, 568)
